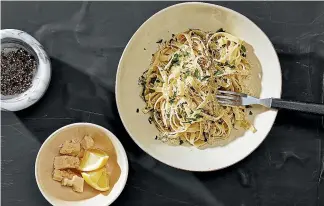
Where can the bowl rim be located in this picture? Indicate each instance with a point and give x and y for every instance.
(117, 93)
(111, 135)
(41, 78)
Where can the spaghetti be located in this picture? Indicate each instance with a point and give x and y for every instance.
(181, 84)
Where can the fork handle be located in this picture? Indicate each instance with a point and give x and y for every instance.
(298, 106)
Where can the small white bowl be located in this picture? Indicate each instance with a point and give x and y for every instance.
(14, 39)
(53, 191)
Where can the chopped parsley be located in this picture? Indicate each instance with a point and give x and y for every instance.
(186, 74)
(205, 78)
(175, 59)
(218, 72)
(198, 116)
(243, 48)
(171, 100)
(196, 74)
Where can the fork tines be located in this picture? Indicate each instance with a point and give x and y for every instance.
(230, 98)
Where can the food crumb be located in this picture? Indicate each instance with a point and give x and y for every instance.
(87, 142)
(76, 183)
(70, 148)
(66, 162)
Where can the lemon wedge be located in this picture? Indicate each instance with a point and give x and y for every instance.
(93, 159)
(98, 179)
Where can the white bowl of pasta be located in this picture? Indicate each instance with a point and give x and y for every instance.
(169, 75)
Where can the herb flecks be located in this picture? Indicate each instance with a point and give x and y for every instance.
(186, 74)
(197, 116)
(152, 80)
(197, 74)
(218, 72)
(175, 59)
(205, 78)
(150, 119)
(172, 98)
(243, 48)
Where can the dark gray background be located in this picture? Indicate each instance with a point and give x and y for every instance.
(85, 42)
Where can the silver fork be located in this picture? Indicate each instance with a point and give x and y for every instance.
(239, 99)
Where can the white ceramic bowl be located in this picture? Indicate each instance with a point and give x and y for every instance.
(135, 60)
(44, 168)
(13, 39)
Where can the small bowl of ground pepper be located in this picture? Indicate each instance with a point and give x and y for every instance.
(25, 70)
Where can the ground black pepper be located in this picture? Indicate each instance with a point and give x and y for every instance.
(17, 70)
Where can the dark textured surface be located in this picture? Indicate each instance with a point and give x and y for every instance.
(85, 42)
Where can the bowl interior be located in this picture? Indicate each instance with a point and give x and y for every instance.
(12, 44)
(136, 58)
(59, 195)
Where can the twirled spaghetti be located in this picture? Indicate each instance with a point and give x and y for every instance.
(181, 84)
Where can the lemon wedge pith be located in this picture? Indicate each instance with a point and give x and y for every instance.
(93, 159)
(98, 179)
